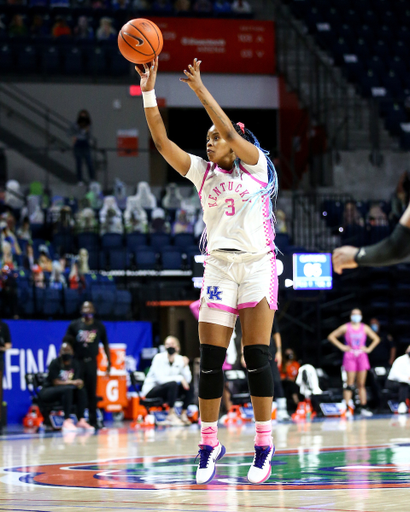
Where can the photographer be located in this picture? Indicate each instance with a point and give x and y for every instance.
(5, 344)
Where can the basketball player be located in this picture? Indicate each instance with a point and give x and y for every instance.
(235, 187)
(390, 251)
(355, 359)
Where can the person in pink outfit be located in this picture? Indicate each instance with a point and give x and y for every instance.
(355, 359)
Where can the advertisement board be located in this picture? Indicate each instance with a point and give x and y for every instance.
(223, 46)
(312, 271)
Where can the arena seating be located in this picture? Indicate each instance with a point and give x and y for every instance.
(369, 40)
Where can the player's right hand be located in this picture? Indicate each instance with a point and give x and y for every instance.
(344, 257)
(148, 76)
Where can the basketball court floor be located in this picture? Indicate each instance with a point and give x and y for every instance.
(332, 465)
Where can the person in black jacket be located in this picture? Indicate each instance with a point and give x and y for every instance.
(86, 334)
(63, 384)
(5, 344)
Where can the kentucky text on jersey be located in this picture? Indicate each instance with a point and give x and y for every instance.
(227, 187)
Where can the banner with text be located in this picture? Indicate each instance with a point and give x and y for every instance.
(36, 343)
(224, 46)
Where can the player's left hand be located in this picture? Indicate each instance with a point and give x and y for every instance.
(343, 257)
(193, 75)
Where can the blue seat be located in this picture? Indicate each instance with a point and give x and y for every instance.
(394, 118)
(39, 299)
(27, 59)
(312, 17)
(73, 61)
(352, 67)
(6, 58)
(63, 243)
(370, 18)
(53, 302)
(184, 239)
(146, 259)
(158, 240)
(93, 259)
(118, 65)
(123, 302)
(361, 49)
(105, 304)
(377, 233)
(50, 60)
(400, 49)
(119, 259)
(89, 241)
(173, 248)
(393, 84)
(381, 49)
(398, 65)
(281, 240)
(25, 298)
(96, 59)
(72, 301)
(135, 240)
(339, 49)
(111, 241)
(377, 65)
(171, 260)
(367, 82)
(354, 234)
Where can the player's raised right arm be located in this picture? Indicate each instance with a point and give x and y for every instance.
(173, 154)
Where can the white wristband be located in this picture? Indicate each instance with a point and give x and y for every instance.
(149, 99)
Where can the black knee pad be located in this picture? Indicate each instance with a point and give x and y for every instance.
(211, 377)
(350, 388)
(257, 359)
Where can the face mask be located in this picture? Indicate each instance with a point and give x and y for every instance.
(356, 318)
(375, 327)
(88, 316)
(290, 356)
(67, 358)
(171, 350)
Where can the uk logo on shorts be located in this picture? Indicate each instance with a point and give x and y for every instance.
(214, 293)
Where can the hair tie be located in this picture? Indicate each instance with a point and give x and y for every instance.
(242, 127)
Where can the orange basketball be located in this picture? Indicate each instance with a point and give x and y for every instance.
(140, 41)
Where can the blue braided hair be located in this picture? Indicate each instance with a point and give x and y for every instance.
(271, 189)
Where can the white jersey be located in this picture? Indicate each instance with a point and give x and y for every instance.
(232, 221)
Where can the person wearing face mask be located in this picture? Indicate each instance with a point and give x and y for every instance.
(399, 380)
(63, 384)
(169, 378)
(355, 358)
(87, 333)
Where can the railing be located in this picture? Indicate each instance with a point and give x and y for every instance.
(351, 123)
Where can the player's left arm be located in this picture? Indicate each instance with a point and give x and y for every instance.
(104, 341)
(243, 149)
(373, 336)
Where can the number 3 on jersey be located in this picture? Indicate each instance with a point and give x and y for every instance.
(231, 207)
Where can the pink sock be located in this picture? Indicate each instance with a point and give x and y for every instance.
(263, 435)
(209, 433)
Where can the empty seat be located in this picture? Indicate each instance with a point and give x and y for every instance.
(122, 306)
(89, 241)
(27, 59)
(135, 240)
(159, 240)
(105, 303)
(6, 58)
(52, 302)
(73, 61)
(146, 259)
(184, 239)
(118, 259)
(111, 241)
(50, 60)
(171, 260)
(72, 301)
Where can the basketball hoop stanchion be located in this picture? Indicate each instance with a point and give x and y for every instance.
(112, 388)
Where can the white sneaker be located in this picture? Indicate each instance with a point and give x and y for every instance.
(402, 409)
(207, 460)
(261, 467)
(282, 415)
(173, 421)
(366, 413)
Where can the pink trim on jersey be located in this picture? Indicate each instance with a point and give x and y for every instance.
(267, 226)
(242, 168)
(203, 181)
(222, 307)
(273, 286)
(247, 305)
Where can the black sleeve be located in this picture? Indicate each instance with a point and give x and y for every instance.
(390, 251)
(6, 333)
(104, 341)
(53, 371)
(77, 372)
(72, 330)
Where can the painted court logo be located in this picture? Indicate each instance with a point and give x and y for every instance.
(329, 468)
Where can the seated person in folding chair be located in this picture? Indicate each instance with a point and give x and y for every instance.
(62, 384)
(399, 380)
(169, 378)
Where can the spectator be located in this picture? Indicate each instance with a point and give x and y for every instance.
(38, 27)
(222, 7)
(57, 280)
(399, 380)
(110, 217)
(162, 6)
(17, 27)
(76, 280)
(181, 6)
(384, 353)
(98, 4)
(60, 28)
(289, 372)
(241, 7)
(172, 199)
(24, 232)
(8, 236)
(87, 334)
(5, 344)
(203, 6)
(44, 259)
(82, 30)
(182, 225)
(85, 218)
(401, 197)
(280, 226)
(37, 276)
(7, 255)
(169, 378)
(351, 215)
(158, 222)
(81, 137)
(141, 5)
(119, 4)
(83, 267)
(376, 216)
(145, 197)
(355, 358)
(105, 31)
(135, 217)
(28, 257)
(63, 384)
